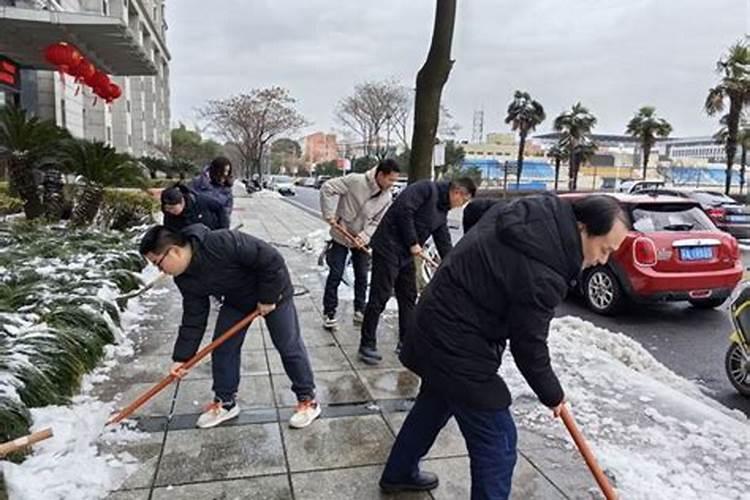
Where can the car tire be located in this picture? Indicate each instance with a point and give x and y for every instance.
(736, 368)
(602, 291)
(707, 303)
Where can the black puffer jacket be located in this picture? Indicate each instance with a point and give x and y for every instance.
(420, 210)
(241, 268)
(476, 209)
(199, 209)
(501, 283)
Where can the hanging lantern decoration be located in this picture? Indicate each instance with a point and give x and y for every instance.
(114, 92)
(98, 80)
(82, 72)
(101, 92)
(63, 56)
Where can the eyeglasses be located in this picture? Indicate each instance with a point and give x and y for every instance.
(159, 262)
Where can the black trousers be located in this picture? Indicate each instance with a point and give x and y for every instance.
(388, 275)
(336, 259)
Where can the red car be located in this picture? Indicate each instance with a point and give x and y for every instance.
(673, 253)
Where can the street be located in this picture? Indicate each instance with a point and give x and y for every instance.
(690, 342)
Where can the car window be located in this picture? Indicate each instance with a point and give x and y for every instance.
(670, 217)
(710, 198)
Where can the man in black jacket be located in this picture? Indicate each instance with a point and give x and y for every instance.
(419, 211)
(182, 208)
(248, 273)
(500, 285)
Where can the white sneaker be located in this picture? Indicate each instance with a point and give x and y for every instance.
(304, 414)
(358, 317)
(329, 322)
(215, 413)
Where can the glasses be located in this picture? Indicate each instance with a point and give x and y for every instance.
(159, 262)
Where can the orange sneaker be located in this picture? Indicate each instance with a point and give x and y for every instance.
(306, 411)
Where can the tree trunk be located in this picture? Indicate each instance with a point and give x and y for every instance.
(22, 182)
(557, 171)
(87, 206)
(572, 170)
(430, 81)
(735, 109)
(646, 153)
(743, 164)
(521, 145)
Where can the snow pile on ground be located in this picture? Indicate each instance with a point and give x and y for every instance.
(313, 243)
(70, 465)
(654, 431)
(266, 193)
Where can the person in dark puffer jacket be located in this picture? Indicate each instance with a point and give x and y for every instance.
(249, 274)
(182, 208)
(499, 286)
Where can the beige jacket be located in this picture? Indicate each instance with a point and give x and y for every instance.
(355, 201)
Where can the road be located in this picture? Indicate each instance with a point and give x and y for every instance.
(691, 342)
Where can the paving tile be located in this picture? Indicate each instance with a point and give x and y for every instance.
(390, 383)
(388, 351)
(221, 453)
(254, 392)
(449, 443)
(331, 388)
(359, 483)
(158, 406)
(146, 450)
(129, 495)
(257, 488)
(321, 358)
(338, 442)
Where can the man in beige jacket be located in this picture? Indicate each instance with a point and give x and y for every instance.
(357, 202)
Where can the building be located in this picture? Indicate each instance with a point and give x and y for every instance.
(319, 147)
(693, 151)
(499, 146)
(124, 38)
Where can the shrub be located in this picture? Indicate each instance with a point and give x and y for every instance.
(9, 204)
(123, 209)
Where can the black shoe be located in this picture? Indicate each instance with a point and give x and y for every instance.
(370, 355)
(423, 482)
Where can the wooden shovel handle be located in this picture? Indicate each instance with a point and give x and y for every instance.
(352, 239)
(23, 442)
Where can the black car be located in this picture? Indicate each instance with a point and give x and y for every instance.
(725, 212)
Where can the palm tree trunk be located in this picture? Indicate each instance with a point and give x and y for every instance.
(88, 205)
(557, 171)
(572, 170)
(735, 109)
(22, 182)
(430, 81)
(646, 154)
(521, 145)
(743, 164)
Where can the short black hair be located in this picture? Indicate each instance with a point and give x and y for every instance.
(159, 238)
(465, 183)
(172, 195)
(216, 169)
(598, 213)
(388, 166)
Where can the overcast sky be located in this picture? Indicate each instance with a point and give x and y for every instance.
(612, 55)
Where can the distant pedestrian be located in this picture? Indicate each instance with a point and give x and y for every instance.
(357, 202)
(216, 181)
(500, 285)
(248, 273)
(182, 207)
(419, 211)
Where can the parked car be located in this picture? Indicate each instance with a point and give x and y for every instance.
(639, 186)
(283, 184)
(673, 253)
(320, 180)
(308, 182)
(726, 213)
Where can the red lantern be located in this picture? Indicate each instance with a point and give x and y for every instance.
(98, 80)
(82, 72)
(63, 56)
(114, 92)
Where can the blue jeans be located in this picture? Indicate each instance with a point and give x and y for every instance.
(336, 260)
(490, 438)
(283, 328)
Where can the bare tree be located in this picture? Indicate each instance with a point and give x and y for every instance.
(430, 82)
(373, 109)
(250, 121)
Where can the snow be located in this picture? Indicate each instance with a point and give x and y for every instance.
(655, 432)
(78, 462)
(266, 193)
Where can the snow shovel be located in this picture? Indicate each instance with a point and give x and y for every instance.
(25, 441)
(352, 239)
(588, 455)
(156, 388)
(122, 300)
(430, 261)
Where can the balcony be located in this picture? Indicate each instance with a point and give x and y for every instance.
(105, 41)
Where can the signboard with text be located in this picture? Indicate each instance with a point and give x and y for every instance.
(10, 75)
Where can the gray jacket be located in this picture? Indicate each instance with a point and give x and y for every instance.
(355, 201)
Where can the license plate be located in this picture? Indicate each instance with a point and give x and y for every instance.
(696, 253)
(738, 218)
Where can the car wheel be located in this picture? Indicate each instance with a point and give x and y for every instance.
(602, 291)
(707, 303)
(737, 366)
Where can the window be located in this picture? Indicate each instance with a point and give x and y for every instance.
(127, 104)
(109, 134)
(63, 117)
(675, 217)
(105, 7)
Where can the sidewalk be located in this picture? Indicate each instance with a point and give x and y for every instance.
(341, 455)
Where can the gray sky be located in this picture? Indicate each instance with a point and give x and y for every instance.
(612, 55)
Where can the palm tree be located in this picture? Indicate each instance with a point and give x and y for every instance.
(558, 153)
(27, 141)
(99, 165)
(524, 114)
(743, 140)
(184, 168)
(575, 126)
(646, 127)
(154, 165)
(734, 86)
